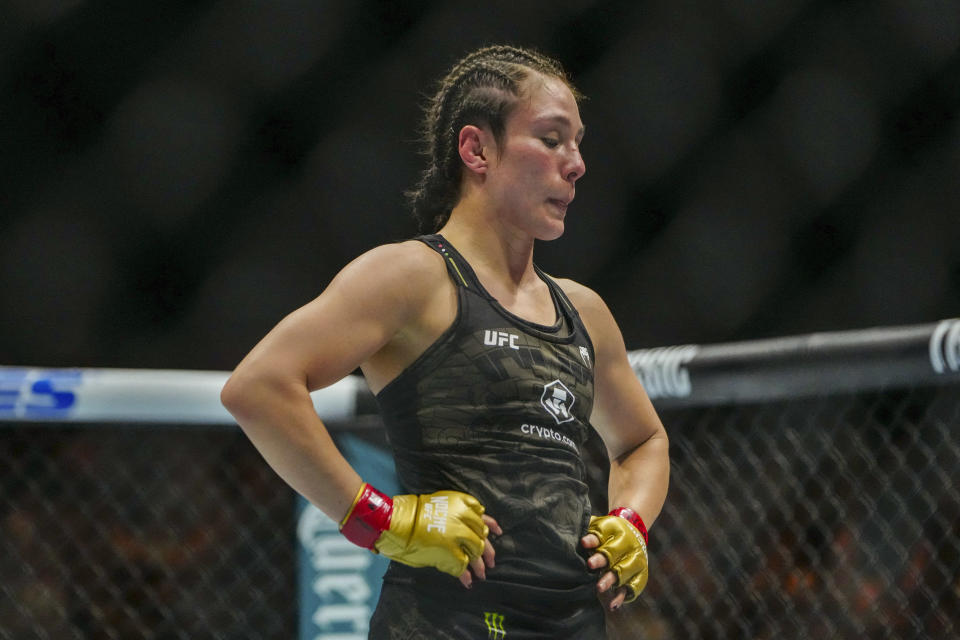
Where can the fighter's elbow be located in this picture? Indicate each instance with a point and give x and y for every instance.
(244, 391)
(235, 394)
(649, 442)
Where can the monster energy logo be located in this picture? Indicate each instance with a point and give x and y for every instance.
(494, 622)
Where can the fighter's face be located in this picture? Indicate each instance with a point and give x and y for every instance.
(532, 176)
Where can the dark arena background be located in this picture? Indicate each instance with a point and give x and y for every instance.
(773, 186)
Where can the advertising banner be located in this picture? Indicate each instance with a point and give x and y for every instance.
(339, 582)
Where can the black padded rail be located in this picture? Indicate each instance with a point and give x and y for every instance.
(801, 366)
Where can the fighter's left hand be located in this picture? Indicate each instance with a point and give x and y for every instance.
(619, 546)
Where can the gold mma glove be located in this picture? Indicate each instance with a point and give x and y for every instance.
(442, 530)
(623, 541)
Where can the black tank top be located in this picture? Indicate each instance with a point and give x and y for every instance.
(498, 407)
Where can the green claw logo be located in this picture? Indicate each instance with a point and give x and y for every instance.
(494, 622)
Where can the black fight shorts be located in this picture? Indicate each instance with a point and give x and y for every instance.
(404, 614)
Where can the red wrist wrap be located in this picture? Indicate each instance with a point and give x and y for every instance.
(633, 518)
(368, 518)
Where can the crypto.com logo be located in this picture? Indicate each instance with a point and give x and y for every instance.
(558, 400)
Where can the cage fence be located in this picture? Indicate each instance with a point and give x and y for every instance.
(117, 532)
(828, 517)
(812, 494)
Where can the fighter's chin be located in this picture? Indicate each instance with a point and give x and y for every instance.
(557, 212)
(552, 231)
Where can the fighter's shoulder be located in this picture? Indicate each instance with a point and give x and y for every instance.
(594, 312)
(406, 265)
(587, 301)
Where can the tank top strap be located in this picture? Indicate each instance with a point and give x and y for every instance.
(565, 306)
(458, 268)
(557, 292)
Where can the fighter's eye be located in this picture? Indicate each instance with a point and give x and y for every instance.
(550, 142)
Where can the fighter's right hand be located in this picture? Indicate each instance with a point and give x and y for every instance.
(446, 530)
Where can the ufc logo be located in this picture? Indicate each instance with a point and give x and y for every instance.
(500, 339)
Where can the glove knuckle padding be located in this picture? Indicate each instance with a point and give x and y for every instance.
(442, 530)
(625, 551)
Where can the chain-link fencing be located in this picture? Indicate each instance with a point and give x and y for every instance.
(126, 533)
(835, 517)
(832, 512)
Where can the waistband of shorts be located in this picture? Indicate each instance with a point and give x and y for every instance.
(435, 584)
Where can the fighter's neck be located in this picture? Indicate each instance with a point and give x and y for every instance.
(491, 248)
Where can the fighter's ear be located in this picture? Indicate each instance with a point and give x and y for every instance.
(472, 145)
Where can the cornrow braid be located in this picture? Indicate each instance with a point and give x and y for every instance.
(480, 89)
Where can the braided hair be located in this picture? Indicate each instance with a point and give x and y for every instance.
(481, 89)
